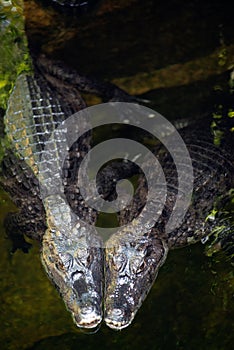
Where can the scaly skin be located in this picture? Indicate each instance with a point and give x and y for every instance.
(132, 262)
(29, 128)
(71, 253)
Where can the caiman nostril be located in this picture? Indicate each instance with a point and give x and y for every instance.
(116, 313)
(115, 318)
(87, 310)
(88, 318)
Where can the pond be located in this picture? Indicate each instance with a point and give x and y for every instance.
(179, 56)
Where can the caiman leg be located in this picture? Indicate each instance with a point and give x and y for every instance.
(18, 180)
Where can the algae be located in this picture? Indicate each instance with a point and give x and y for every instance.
(13, 49)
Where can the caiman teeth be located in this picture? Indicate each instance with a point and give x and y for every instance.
(89, 322)
(116, 325)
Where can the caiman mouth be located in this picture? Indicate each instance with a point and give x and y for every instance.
(116, 319)
(87, 318)
(91, 320)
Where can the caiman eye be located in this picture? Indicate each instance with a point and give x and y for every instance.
(65, 262)
(119, 261)
(137, 265)
(60, 266)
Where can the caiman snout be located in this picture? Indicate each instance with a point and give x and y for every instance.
(88, 317)
(117, 318)
(131, 268)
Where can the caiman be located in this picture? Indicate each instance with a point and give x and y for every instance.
(92, 280)
(38, 104)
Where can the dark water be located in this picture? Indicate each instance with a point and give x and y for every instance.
(179, 55)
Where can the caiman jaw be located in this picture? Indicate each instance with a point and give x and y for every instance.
(131, 268)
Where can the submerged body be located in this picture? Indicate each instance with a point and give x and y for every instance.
(86, 275)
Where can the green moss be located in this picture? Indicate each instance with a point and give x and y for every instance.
(221, 238)
(13, 49)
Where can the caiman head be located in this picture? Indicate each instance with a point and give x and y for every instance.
(73, 260)
(131, 269)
